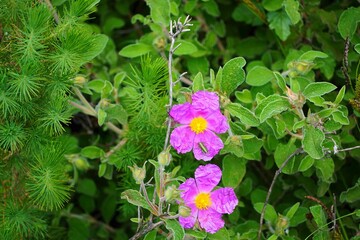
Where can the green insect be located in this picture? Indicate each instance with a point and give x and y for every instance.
(203, 148)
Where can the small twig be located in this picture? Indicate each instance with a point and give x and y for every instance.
(152, 206)
(150, 226)
(89, 110)
(328, 212)
(277, 173)
(90, 219)
(347, 149)
(52, 9)
(179, 28)
(119, 145)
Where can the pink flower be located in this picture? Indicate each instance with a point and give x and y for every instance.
(199, 120)
(206, 207)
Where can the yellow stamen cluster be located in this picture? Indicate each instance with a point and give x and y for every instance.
(198, 125)
(203, 201)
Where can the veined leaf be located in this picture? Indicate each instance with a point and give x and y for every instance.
(312, 142)
(259, 76)
(317, 89)
(135, 50)
(246, 116)
(175, 228)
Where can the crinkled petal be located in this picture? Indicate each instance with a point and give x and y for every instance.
(212, 143)
(207, 177)
(182, 113)
(205, 101)
(189, 222)
(188, 191)
(224, 200)
(210, 220)
(182, 139)
(217, 122)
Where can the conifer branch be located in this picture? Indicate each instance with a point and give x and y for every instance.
(277, 173)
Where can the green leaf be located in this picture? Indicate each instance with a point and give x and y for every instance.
(118, 79)
(111, 23)
(340, 117)
(134, 197)
(270, 106)
(118, 113)
(259, 76)
(234, 170)
(222, 234)
(272, 5)
(310, 56)
(96, 85)
(280, 22)
(357, 48)
(196, 234)
(317, 89)
(246, 116)
(176, 229)
(102, 169)
(101, 115)
(270, 213)
(96, 47)
(233, 144)
(320, 219)
(244, 96)
(306, 163)
(232, 75)
(280, 81)
(273, 237)
(282, 153)
(159, 11)
(340, 95)
(348, 21)
(151, 235)
(185, 48)
(198, 82)
(92, 152)
(86, 186)
(312, 142)
(292, 10)
(135, 50)
(292, 210)
(212, 8)
(325, 169)
(352, 194)
(108, 207)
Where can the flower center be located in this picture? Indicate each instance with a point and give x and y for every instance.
(198, 125)
(203, 201)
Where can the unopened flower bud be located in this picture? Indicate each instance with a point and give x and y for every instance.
(80, 80)
(81, 163)
(184, 211)
(171, 193)
(164, 158)
(138, 173)
(104, 103)
(282, 224)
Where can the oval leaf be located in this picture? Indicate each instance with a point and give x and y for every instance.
(135, 50)
(234, 170)
(317, 89)
(312, 142)
(259, 76)
(245, 115)
(232, 75)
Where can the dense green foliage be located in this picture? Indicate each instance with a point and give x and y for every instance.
(84, 94)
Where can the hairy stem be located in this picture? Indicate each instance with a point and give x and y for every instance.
(277, 173)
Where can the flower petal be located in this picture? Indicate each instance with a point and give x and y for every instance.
(212, 143)
(217, 122)
(224, 200)
(182, 113)
(189, 222)
(182, 139)
(205, 101)
(188, 191)
(210, 220)
(207, 177)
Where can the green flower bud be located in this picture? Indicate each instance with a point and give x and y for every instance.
(184, 211)
(80, 80)
(81, 163)
(164, 158)
(282, 224)
(138, 173)
(171, 193)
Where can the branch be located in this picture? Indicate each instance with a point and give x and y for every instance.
(89, 110)
(277, 173)
(150, 226)
(50, 6)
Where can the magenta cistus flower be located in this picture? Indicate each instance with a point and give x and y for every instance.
(199, 121)
(206, 206)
